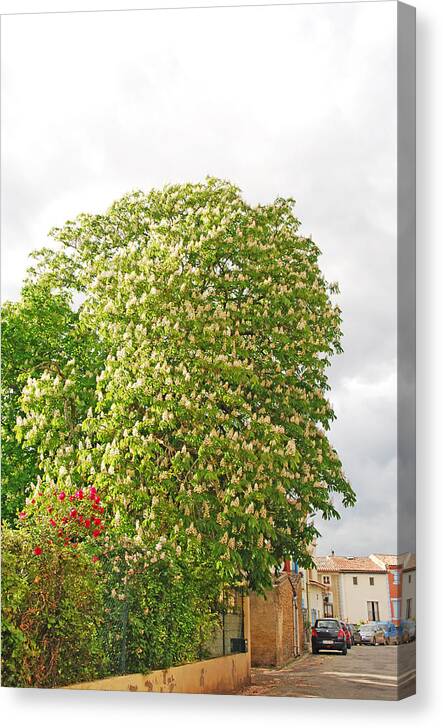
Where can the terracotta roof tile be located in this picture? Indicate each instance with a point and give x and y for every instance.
(373, 563)
(347, 563)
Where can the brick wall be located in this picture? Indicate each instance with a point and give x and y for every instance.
(263, 629)
(273, 631)
(285, 619)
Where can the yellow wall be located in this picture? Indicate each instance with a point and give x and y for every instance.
(221, 675)
(333, 589)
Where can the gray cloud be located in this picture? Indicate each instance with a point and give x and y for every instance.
(296, 101)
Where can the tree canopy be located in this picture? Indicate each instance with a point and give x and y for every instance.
(190, 385)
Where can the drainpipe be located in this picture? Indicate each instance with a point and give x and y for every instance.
(296, 627)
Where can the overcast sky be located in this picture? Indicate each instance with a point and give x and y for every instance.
(295, 101)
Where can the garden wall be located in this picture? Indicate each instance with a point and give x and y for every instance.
(221, 675)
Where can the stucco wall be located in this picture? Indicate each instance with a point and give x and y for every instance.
(315, 601)
(222, 675)
(357, 596)
(408, 592)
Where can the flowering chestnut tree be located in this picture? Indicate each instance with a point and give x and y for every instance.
(198, 405)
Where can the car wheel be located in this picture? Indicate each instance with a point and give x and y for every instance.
(344, 651)
(374, 643)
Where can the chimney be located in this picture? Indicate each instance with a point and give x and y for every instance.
(332, 552)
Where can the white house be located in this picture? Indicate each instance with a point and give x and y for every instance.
(368, 588)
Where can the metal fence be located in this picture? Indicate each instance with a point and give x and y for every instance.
(226, 637)
(229, 634)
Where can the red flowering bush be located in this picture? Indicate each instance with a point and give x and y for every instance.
(53, 593)
(61, 519)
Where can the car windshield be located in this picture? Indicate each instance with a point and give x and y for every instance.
(327, 624)
(368, 628)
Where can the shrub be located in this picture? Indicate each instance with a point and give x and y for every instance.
(52, 596)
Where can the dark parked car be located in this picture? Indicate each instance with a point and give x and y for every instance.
(372, 634)
(329, 634)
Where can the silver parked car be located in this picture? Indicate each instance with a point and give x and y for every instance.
(372, 634)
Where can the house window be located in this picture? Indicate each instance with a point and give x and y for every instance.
(326, 580)
(409, 578)
(328, 610)
(409, 608)
(397, 576)
(371, 581)
(373, 613)
(354, 580)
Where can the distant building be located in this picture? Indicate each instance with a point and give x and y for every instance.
(401, 581)
(368, 588)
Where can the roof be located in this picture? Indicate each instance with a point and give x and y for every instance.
(319, 584)
(374, 563)
(348, 564)
(407, 560)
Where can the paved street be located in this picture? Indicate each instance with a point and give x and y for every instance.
(366, 673)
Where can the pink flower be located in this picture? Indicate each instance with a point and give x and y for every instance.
(37, 551)
(62, 496)
(94, 559)
(88, 522)
(97, 521)
(96, 533)
(79, 494)
(52, 522)
(72, 498)
(22, 515)
(73, 513)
